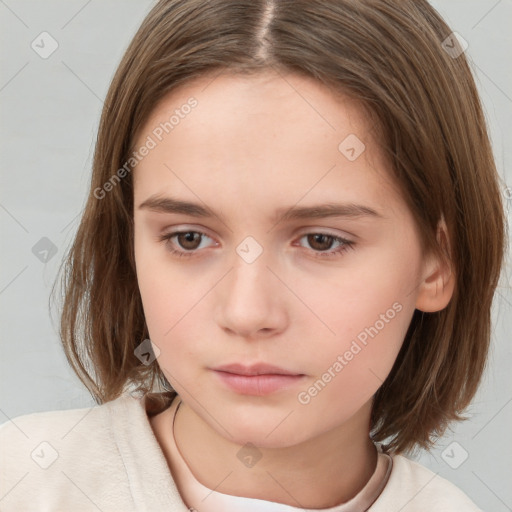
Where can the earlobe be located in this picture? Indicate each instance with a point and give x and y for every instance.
(437, 287)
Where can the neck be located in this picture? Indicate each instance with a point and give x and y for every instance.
(322, 472)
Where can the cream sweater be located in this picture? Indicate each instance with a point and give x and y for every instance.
(106, 458)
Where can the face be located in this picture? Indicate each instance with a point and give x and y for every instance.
(257, 278)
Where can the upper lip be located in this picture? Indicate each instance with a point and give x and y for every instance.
(254, 369)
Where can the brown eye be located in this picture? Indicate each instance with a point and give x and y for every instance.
(189, 240)
(183, 243)
(320, 241)
(321, 245)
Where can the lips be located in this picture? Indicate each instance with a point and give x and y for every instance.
(254, 369)
(257, 379)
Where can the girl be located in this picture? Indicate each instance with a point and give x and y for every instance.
(283, 277)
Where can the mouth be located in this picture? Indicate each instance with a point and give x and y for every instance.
(257, 379)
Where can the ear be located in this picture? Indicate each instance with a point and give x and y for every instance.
(436, 289)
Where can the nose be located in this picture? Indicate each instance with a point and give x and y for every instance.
(251, 300)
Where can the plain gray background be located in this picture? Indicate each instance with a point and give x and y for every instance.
(50, 110)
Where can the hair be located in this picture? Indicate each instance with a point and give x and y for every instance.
(389, 56)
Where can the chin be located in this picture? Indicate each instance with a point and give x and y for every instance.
(264, 433)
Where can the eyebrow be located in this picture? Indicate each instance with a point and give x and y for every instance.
(171, 205)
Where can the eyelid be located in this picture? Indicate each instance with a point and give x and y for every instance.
(325, 231)
(297, 233)
(184, 228)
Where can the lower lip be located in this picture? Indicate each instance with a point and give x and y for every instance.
(258, 385)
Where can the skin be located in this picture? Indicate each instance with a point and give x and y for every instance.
(250, 146)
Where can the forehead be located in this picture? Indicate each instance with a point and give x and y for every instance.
(262, 97)
(258, 137)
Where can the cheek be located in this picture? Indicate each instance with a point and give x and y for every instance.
(168, 299)
(165, 289)
(168, 304)
(368, 315)
(172, 300)
(349, 373)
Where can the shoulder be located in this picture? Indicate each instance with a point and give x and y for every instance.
(29, 430)
(38, 420)
(59, 455)
(414, 488)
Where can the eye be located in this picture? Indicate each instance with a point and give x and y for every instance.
(323, 241)
(190, 241)
(186, 239)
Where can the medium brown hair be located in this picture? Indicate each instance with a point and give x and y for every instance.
(387, 54)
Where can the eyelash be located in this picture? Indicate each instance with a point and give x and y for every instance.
(347, 244)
